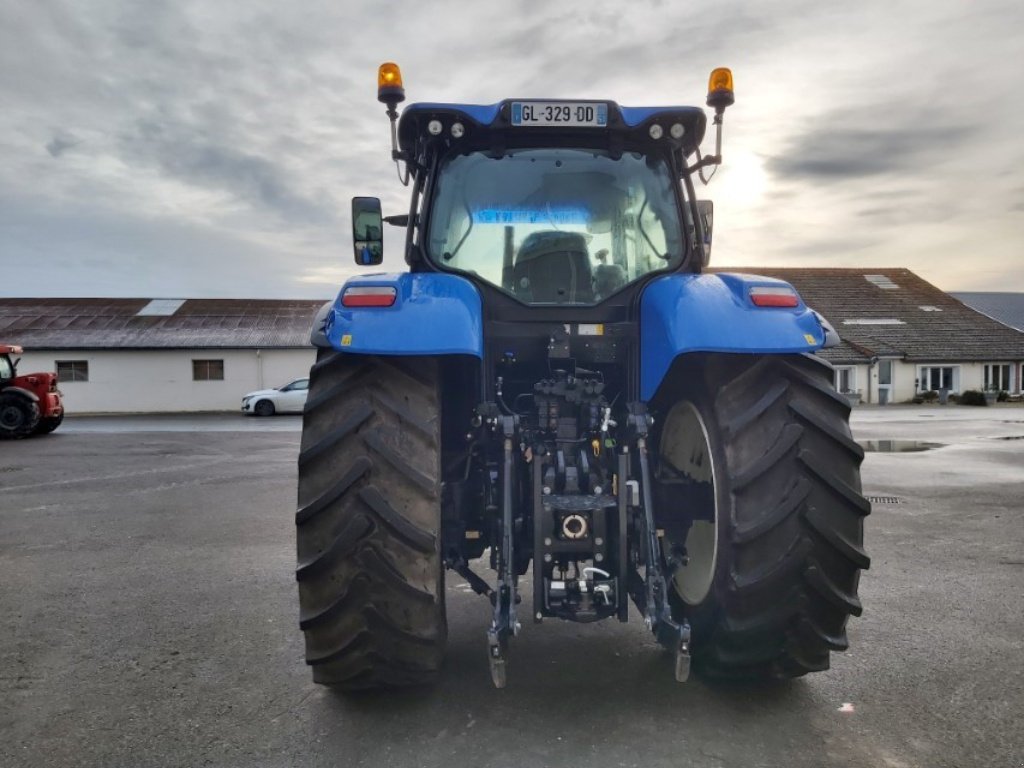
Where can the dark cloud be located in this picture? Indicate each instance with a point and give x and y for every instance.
(189, 156)
(839, 146)
(60, 143)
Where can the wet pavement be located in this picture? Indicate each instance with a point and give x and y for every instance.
(148, 616)
(898, 446)
(182, 422)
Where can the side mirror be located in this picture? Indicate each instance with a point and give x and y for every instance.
(367, 231)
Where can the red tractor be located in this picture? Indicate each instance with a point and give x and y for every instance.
(29, 404)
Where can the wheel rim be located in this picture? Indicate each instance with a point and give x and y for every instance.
(685, 445)
(11, 417)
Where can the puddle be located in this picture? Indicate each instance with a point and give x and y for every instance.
(897, 446)
(1011, 437)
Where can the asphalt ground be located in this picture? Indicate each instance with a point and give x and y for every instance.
(148, 617)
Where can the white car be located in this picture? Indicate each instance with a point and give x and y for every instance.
(291, 398)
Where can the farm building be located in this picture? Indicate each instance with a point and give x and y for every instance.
(154, 355)
(900, 335)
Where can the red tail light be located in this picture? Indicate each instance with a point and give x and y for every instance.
(773, 296)
(368, 296)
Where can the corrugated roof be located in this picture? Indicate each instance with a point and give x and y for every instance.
(1007, 308)
(955, 333)
(117, 324)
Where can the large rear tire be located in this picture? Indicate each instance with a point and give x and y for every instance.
(772, 579)
(371, 580)
(19, 416)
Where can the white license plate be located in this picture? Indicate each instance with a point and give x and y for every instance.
(560, 113)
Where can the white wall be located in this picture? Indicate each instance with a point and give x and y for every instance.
(972, 375)
(137, 381)
(906, 375)
(140, 381)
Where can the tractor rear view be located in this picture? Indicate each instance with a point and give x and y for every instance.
(557, 389)
(30, 404)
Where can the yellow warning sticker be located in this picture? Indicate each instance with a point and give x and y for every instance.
(807, 337)
(592, 329)
(346, 340)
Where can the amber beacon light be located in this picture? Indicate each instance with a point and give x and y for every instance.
(389, 84)
(720, 92)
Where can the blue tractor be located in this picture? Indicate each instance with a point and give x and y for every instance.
(558, 389)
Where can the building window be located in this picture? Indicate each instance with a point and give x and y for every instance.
(936, 377)
(997, 377)
(72, 370)
(846, 379)
(207, 370)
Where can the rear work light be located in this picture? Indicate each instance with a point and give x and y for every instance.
(773, 296)
(368, 296)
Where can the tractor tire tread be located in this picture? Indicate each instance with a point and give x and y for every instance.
(795, 532)
(371, 589)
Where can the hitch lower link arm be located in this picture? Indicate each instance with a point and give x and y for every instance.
(657, 612)
(504, 623)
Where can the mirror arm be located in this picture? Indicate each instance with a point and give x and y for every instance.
(397, 155)
(704, 162)
(401, 220)
(392, 114)
(715, 159)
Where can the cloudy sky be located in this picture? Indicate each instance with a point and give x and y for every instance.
(190, 148)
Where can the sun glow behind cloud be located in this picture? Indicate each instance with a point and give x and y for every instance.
(742, 183)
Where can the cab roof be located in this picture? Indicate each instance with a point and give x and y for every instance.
(492, 123)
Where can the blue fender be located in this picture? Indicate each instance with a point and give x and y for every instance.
(714, 313)
(433, 314)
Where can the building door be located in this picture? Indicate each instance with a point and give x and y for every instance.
(885, 383)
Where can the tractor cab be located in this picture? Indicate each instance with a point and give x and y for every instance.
(559, 214)
(8, 365)
(551, 203)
